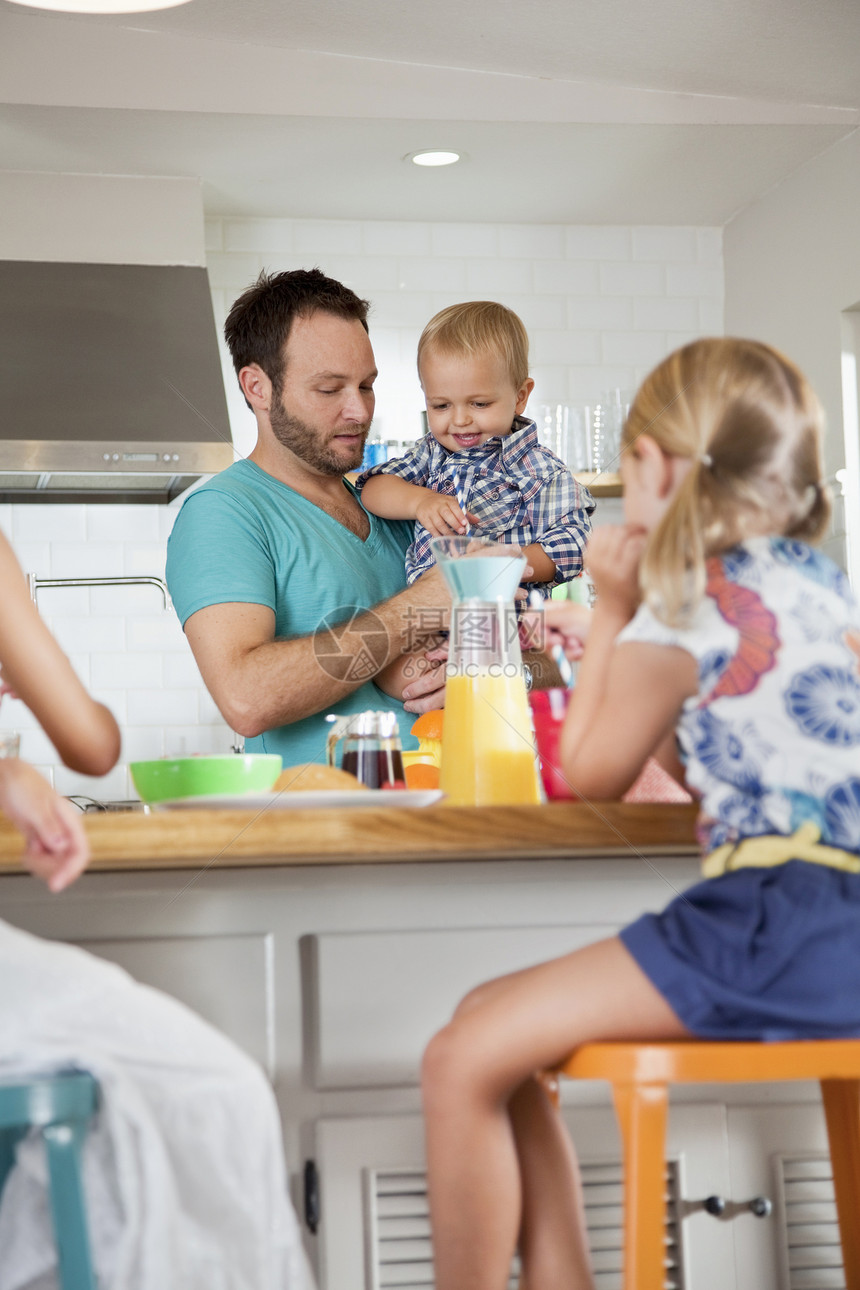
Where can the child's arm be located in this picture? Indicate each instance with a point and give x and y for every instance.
(557, 622)
(542, 567)
(560, 516)
(393, 498)
(627, 698)
(83, 731)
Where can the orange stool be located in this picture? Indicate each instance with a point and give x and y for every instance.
(640, 1073)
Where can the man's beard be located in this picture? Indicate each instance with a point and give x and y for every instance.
(304, 442)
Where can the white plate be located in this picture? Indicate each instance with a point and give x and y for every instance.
(319, 800)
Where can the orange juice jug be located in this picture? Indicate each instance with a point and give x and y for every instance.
(488, 754)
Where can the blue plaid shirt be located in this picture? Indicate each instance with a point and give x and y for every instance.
(520, 491)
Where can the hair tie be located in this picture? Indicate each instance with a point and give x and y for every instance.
(707, 460)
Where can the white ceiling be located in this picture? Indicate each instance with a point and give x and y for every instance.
(630, 111)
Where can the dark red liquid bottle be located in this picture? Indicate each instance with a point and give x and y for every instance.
(371, 749)
(375, 767)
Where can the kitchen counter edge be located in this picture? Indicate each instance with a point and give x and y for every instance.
(371, 835)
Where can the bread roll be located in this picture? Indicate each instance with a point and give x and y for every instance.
(311, 777)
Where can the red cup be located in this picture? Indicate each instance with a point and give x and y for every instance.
(548, 709)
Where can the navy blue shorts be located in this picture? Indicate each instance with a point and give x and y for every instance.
(759, 953)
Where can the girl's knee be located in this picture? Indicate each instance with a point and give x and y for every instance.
(478, 995)
(448, 1061)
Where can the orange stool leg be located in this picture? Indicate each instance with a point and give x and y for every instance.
(842, 1110)
(641, 1111)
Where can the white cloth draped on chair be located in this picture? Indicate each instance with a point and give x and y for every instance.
(183, 1168)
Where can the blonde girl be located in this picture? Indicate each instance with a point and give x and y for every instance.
(719, 634)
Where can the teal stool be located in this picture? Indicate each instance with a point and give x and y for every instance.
(60, 1107)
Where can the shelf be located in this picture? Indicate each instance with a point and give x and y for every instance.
(602, 484)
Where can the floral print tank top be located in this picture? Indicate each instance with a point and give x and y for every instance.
(772, 738)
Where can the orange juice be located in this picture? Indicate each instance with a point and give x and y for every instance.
(488, 755)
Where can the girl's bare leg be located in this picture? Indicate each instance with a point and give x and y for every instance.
(553, 1242)
(502, 1034)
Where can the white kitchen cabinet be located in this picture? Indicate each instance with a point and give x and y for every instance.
(374, 1228)
(335, 976)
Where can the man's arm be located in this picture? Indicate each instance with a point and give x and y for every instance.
(259, 682)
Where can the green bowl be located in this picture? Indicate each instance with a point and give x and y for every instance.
(171, 777)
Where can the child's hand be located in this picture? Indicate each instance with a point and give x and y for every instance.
(560, 622)
(440, 514)
(57, 848)
(613, 556)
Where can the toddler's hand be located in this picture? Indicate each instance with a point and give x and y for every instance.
(57, 848)
(440, 514)
(613, 556)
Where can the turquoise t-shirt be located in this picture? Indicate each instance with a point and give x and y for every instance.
(245, 537)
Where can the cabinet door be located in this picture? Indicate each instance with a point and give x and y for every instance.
(374, 1230)
(782, 1152)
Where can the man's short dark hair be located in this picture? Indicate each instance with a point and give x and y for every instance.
(259, 323)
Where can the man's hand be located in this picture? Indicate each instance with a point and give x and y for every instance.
(57, 847)
(427, 690)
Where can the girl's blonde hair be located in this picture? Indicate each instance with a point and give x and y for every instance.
(478, 327)
(751, 425)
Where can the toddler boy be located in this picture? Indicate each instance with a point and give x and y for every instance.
(481, 464)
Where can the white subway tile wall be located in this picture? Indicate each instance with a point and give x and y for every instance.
(123, 643)
(602, 304)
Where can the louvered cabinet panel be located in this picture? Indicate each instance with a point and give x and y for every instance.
(375, 1226)
(813, 1254)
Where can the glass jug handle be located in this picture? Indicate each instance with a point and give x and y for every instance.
(336, 733)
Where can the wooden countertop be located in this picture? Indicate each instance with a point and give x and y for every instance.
(364, 835)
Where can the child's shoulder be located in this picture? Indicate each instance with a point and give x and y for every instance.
(759, 559)
(523, 450)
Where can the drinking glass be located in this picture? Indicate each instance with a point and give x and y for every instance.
(579, 440)
(615, 404)
(553, 428)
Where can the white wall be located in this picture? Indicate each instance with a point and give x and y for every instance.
(102, 219)
(602, 305)
(792, 266)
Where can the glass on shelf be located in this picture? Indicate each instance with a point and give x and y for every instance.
(587, 437)
(615, 405)
(553, 428)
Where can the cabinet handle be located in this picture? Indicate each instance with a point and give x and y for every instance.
(719, 1207)
(312, 1195)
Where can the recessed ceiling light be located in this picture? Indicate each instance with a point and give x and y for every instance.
(101, 6)
(435, 157)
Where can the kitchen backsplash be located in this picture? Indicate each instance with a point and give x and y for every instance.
(602, 305)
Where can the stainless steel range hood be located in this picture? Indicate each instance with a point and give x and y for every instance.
(110, 382)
